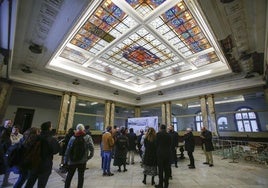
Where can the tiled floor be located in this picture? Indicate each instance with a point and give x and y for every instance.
(224, 174)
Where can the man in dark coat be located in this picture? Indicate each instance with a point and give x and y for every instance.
(163, 152)
(132, 140)
(207, 145)
(189, 146)
(175, 142)
(49, 147)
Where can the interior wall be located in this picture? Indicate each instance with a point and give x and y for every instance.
(40, 115)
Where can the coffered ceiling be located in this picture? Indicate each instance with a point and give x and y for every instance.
(136, 48)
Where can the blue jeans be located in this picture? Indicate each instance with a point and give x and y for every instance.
(107, 157)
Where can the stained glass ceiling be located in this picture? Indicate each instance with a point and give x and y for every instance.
(141, 42)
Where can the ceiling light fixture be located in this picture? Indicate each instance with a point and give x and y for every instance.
(160, 93)
(26, 69)
(76, 82)
(82, 104)
(93, 103)
(239, 99)
(116, 92)
(35, 48)
(195, 75)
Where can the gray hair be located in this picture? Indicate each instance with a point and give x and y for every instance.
(80, 127)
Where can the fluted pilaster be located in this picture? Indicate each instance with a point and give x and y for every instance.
(212, 114)
(63, 113)
(204, 110)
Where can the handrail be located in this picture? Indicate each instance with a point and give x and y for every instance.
(238, 150)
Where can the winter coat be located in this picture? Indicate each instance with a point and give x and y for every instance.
(89, 152)
(189, 142)
(207, 140)
(150, 153)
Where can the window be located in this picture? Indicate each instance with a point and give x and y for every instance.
(198, 121)
(222, 123)
(246, 120)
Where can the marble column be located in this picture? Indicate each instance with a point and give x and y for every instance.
(71, 111)
(137, 112)
(212, 114)
(5, 93)
(203, 104)
(163, 111)
(168, 113)
(107, 114)
(112, 113)
(63, 113)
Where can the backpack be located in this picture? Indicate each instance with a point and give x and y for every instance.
(78, 149)
(32, 155)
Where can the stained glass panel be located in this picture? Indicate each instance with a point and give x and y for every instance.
(103, 27)
(204, 59)
(182, 24)
(144, 7)
(74, 55)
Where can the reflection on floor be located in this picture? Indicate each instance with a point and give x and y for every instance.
(224, 174)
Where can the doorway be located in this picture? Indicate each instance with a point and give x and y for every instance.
(24, 118)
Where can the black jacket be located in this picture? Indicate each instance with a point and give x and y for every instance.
(189, 142)
(163, 144)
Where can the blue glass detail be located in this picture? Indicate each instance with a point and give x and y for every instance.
(196, 47)
(118, 13)
(87, 41)
(169, 14)
(84, 46)
(109, 20)
(185, 35)
(177, 22)
(158, 2)
(132, 2)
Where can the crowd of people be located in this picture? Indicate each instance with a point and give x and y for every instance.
(157, 150)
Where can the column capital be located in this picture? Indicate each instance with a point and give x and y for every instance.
(210, 95)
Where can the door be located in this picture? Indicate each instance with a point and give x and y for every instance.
(24, 118)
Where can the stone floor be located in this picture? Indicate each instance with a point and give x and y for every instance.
(224, 174)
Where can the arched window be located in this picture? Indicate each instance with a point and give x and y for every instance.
(222, 123)
(246, 121)
(198, 121)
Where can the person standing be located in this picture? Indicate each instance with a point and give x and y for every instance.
(79, 164)
(132, 139)
(189, 146)
(7, 125)
(49, 147)
(5, 143)
(150, 162)
(139, 145)
(163, 153)
(175, 143)
(107, 147)
(15, 135)
(120, 150)
(207, 145)
(30, 138)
